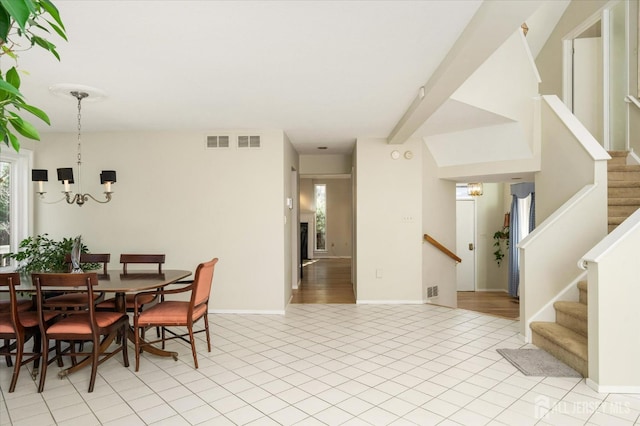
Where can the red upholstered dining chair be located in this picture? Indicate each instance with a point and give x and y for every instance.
(19, 325)
(100, 328)
(125, 259)
(174, 313)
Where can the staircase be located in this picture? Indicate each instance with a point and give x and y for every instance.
(566, 339)
(623, 188)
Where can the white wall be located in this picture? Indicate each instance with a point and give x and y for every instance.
(291, 241)
(176, 197)
(389, 237)
(439, 221)
(326, 164)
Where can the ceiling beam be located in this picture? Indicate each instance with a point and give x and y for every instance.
(490, 27)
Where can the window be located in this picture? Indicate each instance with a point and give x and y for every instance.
(14, 212)
(320, 191)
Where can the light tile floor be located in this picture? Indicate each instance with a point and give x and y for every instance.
(325, 364)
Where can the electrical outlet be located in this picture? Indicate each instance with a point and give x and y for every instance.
(379, 273)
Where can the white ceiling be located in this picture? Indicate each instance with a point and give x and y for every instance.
(326, 72)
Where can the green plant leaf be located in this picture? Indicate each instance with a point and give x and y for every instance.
(23, 127)
(15, 143)
(37, 112)
(5, 25)
(52, 11)
(13, 78)
(58, 30)
(45, 45)
(9, 88)
(18, 10)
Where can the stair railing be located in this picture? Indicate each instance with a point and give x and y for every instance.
(428, 238)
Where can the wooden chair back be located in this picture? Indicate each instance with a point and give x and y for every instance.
(127, 258)
(202, 282)
(10, 280)
(103, 258)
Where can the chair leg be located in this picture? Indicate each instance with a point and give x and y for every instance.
(95, 354)
(58, 353)
(37, 347)
(193, 346)
(18, 363)
(43, 373)
(136, 340)
(7, 358)
(125, 354)
(206, 328)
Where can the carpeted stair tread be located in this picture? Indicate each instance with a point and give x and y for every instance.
(562, 336)
(572, 315)
(583, 285)
(624, 201)
(621, 211)
(623, 167)
(575, 309)
(583, 292)
(616, 220)
(623, 184)
(566, 345)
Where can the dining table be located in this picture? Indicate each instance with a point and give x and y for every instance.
(121, 284)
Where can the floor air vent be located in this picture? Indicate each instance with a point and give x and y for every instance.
(217, 141)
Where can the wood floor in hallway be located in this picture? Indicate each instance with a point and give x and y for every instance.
(490, 302)
(325, 281)
(329, 281)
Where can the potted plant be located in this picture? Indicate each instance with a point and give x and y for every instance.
(43, 254)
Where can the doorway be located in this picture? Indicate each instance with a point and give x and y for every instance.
(326, 274)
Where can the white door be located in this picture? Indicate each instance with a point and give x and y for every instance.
(588, 85)
(466, 244)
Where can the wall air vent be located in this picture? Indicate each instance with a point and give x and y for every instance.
(217, 141)
(249, 141)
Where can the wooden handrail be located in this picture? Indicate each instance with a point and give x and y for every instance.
(428, 238)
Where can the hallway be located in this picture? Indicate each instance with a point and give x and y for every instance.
(325, 281)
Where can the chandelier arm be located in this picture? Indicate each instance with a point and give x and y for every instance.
(107, 196)
(51, 202)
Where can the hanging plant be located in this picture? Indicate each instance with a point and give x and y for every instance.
(501, 240)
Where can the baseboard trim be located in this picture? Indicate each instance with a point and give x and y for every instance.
(389, 302)
(330, 257)
(246, 311)
(500, 290)
(612, 389)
